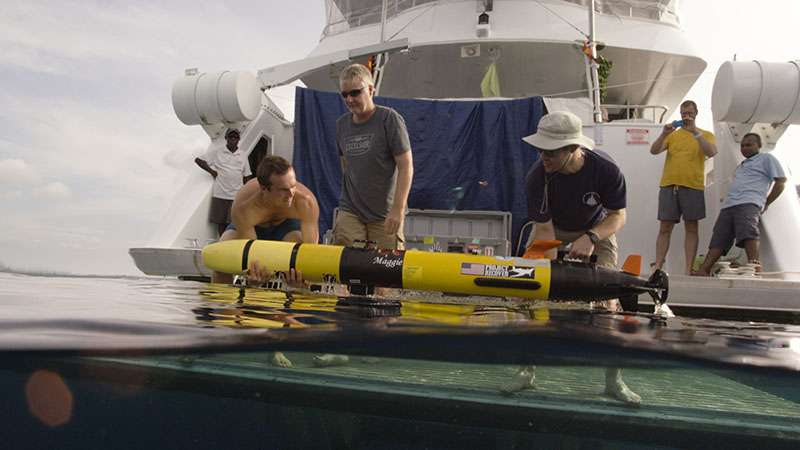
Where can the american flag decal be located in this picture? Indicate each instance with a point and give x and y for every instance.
(472, 269)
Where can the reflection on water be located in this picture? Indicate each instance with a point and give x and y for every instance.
(137, 363)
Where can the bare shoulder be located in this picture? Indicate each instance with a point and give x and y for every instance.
(305, 203)
(248, 190)
(245, 206)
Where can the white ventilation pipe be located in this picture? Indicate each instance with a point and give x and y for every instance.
(757, 92)
(221, 97)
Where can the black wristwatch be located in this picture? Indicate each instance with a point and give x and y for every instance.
(593, 237)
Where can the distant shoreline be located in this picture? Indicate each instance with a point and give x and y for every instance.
(53, 274)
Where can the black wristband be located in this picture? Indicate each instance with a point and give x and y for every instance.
(593, 237)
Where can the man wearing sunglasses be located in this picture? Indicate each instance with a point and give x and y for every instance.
(230, 169)
(375, 151)
(577, 195)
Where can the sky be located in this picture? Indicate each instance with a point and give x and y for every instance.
(91, 152)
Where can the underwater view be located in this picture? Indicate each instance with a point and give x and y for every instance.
(158, 362)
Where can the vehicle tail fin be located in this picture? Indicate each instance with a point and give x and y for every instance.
(633, 265)
(539, 247)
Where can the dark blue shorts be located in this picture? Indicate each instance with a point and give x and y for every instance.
(735, 224)
(276, 233)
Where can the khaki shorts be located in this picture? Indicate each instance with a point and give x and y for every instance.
(606, 249)
(349, 228)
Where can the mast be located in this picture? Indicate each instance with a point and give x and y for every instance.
(595, 93)
(382, 58)
(383, 21)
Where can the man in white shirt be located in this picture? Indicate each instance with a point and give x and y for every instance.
(230, 169)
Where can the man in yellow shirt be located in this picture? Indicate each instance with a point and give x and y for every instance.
(682, 183)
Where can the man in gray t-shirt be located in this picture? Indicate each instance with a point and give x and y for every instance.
(375, 150)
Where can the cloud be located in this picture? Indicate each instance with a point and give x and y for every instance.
(13, 195)
(90, 38)
(87, 128)
(54, 189)
(17, 172)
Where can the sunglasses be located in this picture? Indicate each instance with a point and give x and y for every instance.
(548, 153)
(354, 93)
(232, 136)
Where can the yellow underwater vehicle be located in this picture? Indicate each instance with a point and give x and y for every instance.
(363, 268)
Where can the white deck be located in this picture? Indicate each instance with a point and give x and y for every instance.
(733, 293)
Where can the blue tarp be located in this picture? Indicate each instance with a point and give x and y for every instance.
(468, 155)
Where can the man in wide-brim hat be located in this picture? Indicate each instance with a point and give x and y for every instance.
(576, 195)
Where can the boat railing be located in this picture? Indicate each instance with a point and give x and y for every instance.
(345, 15)
(633, 113)
(661, 10)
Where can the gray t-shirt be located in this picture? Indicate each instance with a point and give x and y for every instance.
(371, 174)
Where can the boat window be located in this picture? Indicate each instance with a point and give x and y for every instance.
(345, 15)
(663, 10)
(258, 153)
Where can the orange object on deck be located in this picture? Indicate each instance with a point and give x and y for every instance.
(633, 265)
(539, 247)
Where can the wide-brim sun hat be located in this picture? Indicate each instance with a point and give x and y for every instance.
(559, 129)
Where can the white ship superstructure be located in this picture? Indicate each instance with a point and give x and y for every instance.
(443, 50)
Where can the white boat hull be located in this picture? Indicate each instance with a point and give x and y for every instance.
(176, 262)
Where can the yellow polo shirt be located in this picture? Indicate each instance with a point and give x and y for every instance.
(685, 160)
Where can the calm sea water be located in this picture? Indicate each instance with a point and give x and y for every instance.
(152, 362)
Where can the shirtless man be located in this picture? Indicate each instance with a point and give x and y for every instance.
(273, 206)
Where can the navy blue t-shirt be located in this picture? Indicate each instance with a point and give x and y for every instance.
(578, 201)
